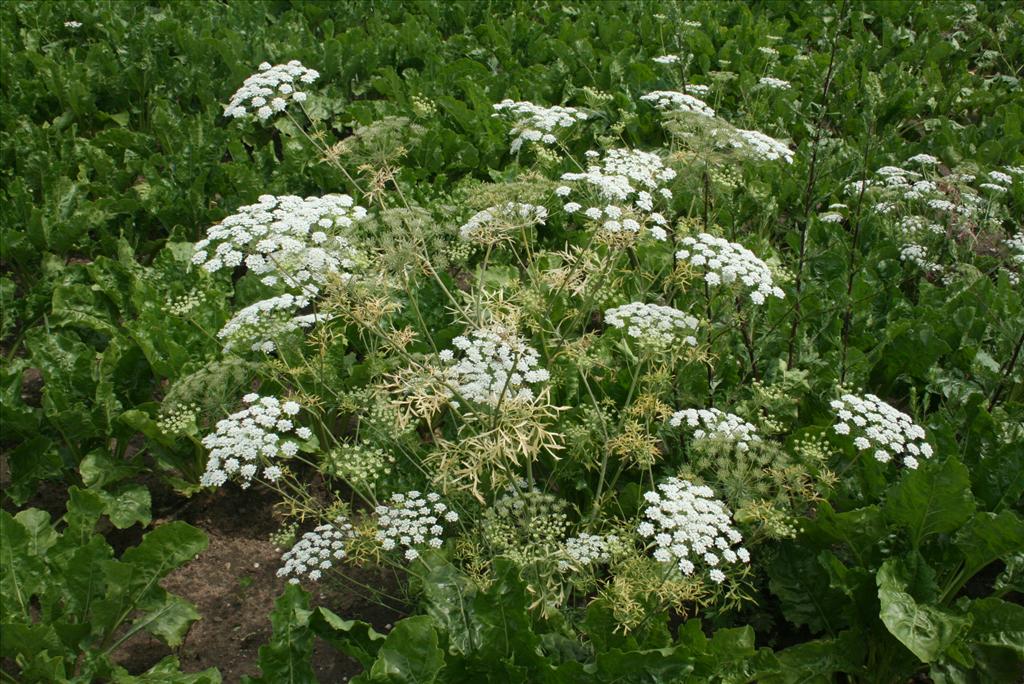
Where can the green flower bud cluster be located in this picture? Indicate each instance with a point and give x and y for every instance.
(361, 465)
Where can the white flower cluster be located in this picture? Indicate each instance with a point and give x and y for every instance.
(270, 89)
(916, 254)
(773, 83)
(533, 123)
(717, 425)
(653, 324)
(672, 100)
(1016, 246)
(259, 325)
(877, 425)
(413, 520)
(72, 24)
(251, 438)
(496, 223)
(728, 262)
(496, 366)
(924, 160)
(626, 183)
(316, 552)
(285, 239)
(587, 549)
(761, 146)
(667, 59)
(687, 523)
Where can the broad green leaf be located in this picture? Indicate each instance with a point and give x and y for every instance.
(99, 468)
(167, 671)
(128, 505)
(987, 537)
(806, 597)
(928, 631)
(33, 460)
(935, 498)
(817, 662)
(41, 535)
(286, 658)
(353, 637)
(860, 529)
(22, 574)
(83, 578)
(26, 640)
(132, 582)
(998, 623)
(409, 654)
(166, 616)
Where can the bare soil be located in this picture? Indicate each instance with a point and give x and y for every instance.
(234, 585)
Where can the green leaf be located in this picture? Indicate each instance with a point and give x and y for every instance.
(128, 505)
(998, 623)
(409, 655)
(41, 535)
(817, 662)
(167, 617)
(286, 658)
(167, 671)
(859, 529)
(22, 574)
(935, 498)
(353, 637)
(33, 460)
(804, 591)
(132, 582)
(99, 468)
(26, 640)
(83, 577)
(987, 537)
(926, 630)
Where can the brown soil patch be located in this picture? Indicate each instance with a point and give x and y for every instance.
(234, 585)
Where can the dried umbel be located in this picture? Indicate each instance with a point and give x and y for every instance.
(878, 427)
(717, 425)
(316, 552)
(270, 90)
(290, 241)
(688, 525)
(413, 521)
(533, 123)
(495, 366)
(255, 437)
(730, 263)
(652, 325)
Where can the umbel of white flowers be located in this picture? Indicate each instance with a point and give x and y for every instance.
(537, 124)
(316, 551)
(653, 325)
(688, 525)
(727, 263)
(496, 365)
(413, 520)
(880, 428)
(270, 90)
(255, 437)
(713, 424)
(289, 241)
(621, 191)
